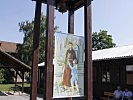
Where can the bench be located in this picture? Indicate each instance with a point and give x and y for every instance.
(107, 96)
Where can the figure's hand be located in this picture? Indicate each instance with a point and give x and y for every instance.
(63, 64)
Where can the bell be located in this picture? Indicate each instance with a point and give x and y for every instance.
(62, 8)
(61, 5)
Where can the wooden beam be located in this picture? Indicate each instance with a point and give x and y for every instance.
(10, 61)
(71, 22)
(35, 50)
(19, 73)
(22, 81)
(76, 3)
(88, 50)
(48, 85)
(16, 74)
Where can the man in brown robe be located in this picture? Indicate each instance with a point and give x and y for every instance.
(70, 56)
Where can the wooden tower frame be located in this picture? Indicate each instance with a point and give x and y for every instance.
(71, 7)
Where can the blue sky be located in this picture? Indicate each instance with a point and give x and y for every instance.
(115, 16)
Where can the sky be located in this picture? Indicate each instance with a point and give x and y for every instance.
(115, 16)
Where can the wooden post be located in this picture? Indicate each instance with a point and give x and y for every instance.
(48, 84)
(22, 81)
(35, 50)
(16, 74)
(70, 29)
(88, 50)
(71, 22)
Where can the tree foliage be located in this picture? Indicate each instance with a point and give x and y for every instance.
(101, 40)
(25, 50)
(1, 76)
(5, 76)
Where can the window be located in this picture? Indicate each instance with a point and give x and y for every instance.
(106, 73)
(106, 77)
(110, 72)
(129, 72)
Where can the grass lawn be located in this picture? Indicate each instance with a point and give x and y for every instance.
(5, 87)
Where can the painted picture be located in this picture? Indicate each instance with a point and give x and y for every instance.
(68, 66)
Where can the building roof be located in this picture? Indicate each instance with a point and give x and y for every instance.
(8, 46)
(113, 53)
(110, 53)
(9, 61)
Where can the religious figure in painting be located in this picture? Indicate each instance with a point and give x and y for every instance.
(70, 57)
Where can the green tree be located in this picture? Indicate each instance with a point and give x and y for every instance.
(25, 49)
(2, 79)
(5, 76)
(101, 40)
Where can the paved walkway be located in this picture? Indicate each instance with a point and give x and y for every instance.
(16, 96)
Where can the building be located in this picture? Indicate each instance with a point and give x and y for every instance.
(111, 67)
(8, 60)
(8, 47)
